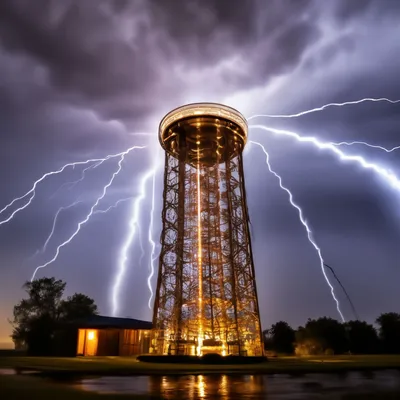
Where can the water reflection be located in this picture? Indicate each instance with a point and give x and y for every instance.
(196, 387)
(230, 387)
(190, 387)
(7, 371)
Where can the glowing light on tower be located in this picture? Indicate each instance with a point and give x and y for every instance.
(199, 258)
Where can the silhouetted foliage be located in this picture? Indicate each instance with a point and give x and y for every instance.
(363, 338)
(37, 317)
(76, 306)
(323, 335)
(328, 336)
(267, 340)
(389, 332)
(307, 346)
(280, 337)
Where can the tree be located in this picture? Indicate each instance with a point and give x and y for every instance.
(281, 337)
(363, 337)
(323, 335)
(267, 340)
(307, 344)
(389, 332)
(37, 317)
(76, 307)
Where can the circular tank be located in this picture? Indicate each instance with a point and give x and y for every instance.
(203, 133)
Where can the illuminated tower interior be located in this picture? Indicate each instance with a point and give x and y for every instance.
(206, 298)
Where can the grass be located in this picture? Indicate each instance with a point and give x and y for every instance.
(130, 366)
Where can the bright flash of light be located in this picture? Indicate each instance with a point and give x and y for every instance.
(72, 184)
(374, 146)
(150, 238)
(117, 203)
(55, 221)
(123, 257)
(304, 222)
(384, 173)
(32, 191)
(91, 211)
(142, 250)
(346, 103)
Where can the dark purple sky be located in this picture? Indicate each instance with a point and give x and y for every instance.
(81, 79)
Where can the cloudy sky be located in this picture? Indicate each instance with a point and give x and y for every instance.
(86, 79)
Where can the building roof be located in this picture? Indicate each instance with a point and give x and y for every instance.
(100, 321)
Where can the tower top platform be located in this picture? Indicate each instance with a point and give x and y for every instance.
(205, 133)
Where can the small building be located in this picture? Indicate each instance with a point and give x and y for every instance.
(103, 336)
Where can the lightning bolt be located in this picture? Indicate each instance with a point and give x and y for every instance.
(304, 222)
(383, 172)
(32, 191)
(117, 203)
(312, 110)
(74, 183)
(374, 146)
(151, 240)
(123, 257)
(55, 221)
(134, 220)
(91, 211)
(142, 251)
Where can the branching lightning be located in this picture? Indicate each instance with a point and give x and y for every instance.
(137, 201)
(142, 251)
(91, 211)
(346, 103)
(32, 191)
(4, 221)
(117, 203)
(304, 222)
(55, 221)
(123, 257)
(374, 146)
(389, 176)
(312, 110)
(151, 240)
(74, 183)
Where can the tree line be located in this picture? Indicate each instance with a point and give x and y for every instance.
(37, 318)
(329, 336)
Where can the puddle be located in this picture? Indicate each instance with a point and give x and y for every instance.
(229, 387)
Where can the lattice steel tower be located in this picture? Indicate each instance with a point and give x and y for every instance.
(206, 298)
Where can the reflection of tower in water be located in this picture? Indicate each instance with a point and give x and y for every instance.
(213, 386)
(206, 298)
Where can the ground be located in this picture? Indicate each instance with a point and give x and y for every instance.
(130, 366)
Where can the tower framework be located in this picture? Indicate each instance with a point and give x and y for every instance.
(206, 297)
